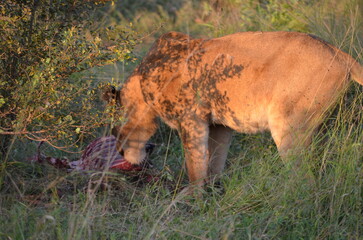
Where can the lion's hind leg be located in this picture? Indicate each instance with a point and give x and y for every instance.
(218, 145)
(293, 135)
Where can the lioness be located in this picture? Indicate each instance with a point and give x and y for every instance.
(249, 82)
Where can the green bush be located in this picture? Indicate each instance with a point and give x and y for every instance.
(43, 45)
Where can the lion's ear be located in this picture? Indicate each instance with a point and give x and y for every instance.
(109, 94)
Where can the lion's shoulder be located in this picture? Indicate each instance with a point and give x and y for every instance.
(174, 36)
(168, 52)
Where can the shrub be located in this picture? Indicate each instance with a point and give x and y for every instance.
(43, 45)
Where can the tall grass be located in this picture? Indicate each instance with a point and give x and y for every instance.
(260, 197)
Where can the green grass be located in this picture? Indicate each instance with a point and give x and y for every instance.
(260, 196)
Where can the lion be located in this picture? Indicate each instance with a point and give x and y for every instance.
(282, 82)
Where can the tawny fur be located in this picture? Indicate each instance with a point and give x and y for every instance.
(282, 82)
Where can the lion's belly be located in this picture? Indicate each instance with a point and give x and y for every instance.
(243, 105)
(244, 118)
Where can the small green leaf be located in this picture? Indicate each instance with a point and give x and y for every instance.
(2, 101)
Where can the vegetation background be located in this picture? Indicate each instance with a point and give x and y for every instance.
(54, 56)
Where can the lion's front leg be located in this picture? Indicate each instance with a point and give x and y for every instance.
(194, 135)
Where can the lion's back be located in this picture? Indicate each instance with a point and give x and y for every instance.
(237, 78)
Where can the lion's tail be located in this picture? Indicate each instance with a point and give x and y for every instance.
(357, 72)
(354, 68)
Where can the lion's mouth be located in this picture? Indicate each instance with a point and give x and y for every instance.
(124, 165)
